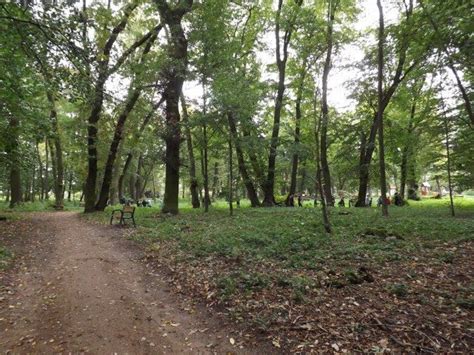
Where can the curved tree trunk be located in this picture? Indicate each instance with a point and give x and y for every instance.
(399, 75)
(134, 94)
(281, 60)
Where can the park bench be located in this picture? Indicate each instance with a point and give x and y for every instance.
(127, 212)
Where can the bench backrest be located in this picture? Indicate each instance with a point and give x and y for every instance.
(128, 209)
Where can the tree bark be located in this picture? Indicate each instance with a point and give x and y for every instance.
(40, 172)
(326, 175)
(69, 190)
(407, 150)
(204, 156)
(193, 184)
(129, 158)
(231, 176)
(251, 191)
(324, 210)
(281, 60)
(56, 155)
(215, 181)
(448, 165)
(175, 74)
(46, 170)
(123, 174)
(14, 162)
(139, 179)
(294, 161)
(104, 72)
(380, 110)
(134, 94)
(399, 75)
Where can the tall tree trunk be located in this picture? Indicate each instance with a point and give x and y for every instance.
(113, 194)
(40, 172)
(399, 75)
(134, 94)
(131, 184)
(448, 165)
(139, 179)
(90, 194)
(193, 185)
(255, 162)
(175, 73)
(13, 155)
(57, 158)
(407, 151)
(46, 170)
(231, 177)
(251, 191)
(136, 138)
(303, 176)
(294, 161)
(114, 146)
(69, 190)
(326, 176)
(128, 161)
(324, 210)
(33, 183)
(403, 172)
(380, 109)
(204, 156)
(215, 181)
(281, 60)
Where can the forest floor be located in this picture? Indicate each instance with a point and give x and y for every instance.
(398, 284)
(76, 286)
(402, 284)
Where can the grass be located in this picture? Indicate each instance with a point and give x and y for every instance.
(5, 257)
(38, 206)
(295, 238)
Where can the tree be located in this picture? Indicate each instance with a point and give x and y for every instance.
(174, 74)
(402, 70)
(281, 52)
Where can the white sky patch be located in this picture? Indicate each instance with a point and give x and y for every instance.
(343, 70)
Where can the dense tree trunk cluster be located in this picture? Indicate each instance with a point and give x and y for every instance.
(106, 121)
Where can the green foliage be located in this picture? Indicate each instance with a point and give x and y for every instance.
(5, 258)
(294, 237)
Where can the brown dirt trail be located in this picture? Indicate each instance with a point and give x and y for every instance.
(80, 288)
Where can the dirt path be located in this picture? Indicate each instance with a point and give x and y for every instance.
(78, 289)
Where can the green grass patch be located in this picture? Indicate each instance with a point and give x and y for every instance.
(295, 238)
(5, 258)
(39, 206)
